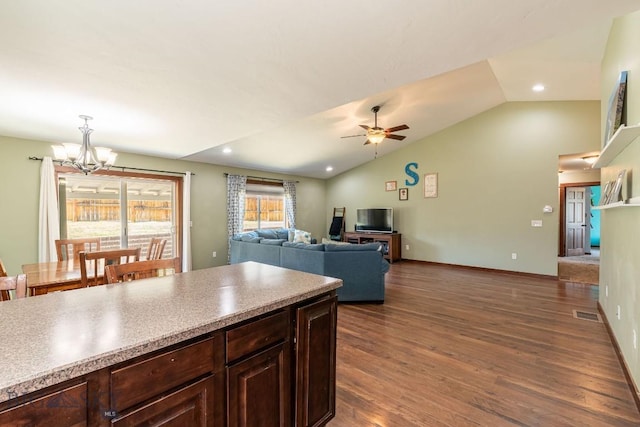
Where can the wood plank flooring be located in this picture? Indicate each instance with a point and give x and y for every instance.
(464, 347)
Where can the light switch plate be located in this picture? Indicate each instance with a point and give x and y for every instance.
(536, 223)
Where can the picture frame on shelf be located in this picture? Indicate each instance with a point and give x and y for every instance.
(403, 194)
(604, 194)
(390, 185)
(615, 114)
(617, 187)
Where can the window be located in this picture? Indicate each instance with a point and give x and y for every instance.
(264, 206)
(123, 210)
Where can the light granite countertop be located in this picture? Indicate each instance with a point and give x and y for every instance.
(59, 336)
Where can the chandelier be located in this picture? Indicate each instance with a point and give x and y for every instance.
(82, 156)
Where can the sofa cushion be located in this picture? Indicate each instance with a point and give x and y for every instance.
(267, 233)
(301, 236)
(363, 247)
(277, 242)
(250, 237)
(282, 233)
(333, 242)
(307, 246)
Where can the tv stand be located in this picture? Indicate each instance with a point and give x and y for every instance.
(391, 242)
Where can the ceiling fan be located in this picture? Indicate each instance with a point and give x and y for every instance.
(375, 134)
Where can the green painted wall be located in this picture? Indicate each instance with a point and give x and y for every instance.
(620, 234)
(496, 172)
(20, 187)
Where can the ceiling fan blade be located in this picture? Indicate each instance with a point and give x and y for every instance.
(365, 127)
(351, 136)
(367, 142)
(398, 137)
(397, 128)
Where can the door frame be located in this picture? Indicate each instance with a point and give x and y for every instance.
(562, 241)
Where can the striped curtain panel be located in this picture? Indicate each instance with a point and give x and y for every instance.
(290, 203)
(236, 191)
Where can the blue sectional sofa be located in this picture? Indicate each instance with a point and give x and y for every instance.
(361, 267)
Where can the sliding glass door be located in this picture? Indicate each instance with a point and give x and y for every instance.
(122, 211)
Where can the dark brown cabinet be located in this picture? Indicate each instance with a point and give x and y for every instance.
(259, 372)
(191, 405)
(65, 407)
(274, 370)
(259, 389)
(316, 362)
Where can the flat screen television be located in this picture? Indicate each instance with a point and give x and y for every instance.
(374, 220)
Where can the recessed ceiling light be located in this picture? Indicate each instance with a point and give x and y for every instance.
(227, 150)
(538, 87)
(329, 168)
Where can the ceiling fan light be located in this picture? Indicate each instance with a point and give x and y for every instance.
(376, 136)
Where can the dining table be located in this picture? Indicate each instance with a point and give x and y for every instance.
(45, 277)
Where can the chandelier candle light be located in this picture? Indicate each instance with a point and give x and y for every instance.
(83, 157)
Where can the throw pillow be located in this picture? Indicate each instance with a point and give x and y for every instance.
(301, 236)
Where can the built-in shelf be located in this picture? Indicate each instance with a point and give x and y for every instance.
(624, 136)
(634, 202)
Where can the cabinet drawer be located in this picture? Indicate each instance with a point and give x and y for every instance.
(256, 335)
(66, 407)
(147, 378)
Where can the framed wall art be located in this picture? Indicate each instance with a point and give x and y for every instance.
(390, 186)
(403, 194)
(615, 115)
(430, 185)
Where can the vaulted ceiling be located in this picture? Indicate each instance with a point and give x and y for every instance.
(280, 82)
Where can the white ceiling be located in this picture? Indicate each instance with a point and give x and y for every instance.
(280, 82)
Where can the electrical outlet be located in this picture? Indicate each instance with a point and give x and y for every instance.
(215, 254)
(406, 247)
(606, 291)
(618, 314)
(514, 255)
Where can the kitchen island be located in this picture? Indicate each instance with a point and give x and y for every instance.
(243, 344)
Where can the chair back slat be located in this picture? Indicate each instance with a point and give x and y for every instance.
(67, 249)
(156, 247)
(98, 260)
(3, 271)
(142, 270)
(17, 284)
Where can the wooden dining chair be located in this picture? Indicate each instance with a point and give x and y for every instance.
(17, 284)
(71, 248)
(3, 271)
(156, 247)
(142, 270)
(98, 260)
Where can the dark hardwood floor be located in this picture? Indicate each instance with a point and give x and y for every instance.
(463, 347)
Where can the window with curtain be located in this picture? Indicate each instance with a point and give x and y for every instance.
(123, 210)
(264, 206)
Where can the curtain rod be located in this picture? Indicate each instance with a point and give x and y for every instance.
(122, 168)
(263, 178)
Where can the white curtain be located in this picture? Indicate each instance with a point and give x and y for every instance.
(236, 192)
(186, 222)
(49, 218)
(290, 202)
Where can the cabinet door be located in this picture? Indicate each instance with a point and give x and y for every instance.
(260, 389)
(189, 406)
(316, 363)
